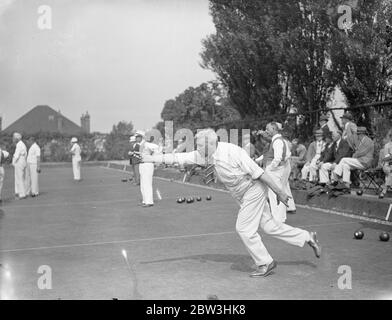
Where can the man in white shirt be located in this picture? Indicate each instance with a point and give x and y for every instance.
(278, 168)
(146, 170)
(33, 168)
(19, 163)
(76, 159)
(3, 156)
(248, 185)
(313, 155)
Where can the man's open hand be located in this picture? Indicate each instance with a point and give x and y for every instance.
(283, 197)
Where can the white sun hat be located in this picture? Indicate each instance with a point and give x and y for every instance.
(74, 140)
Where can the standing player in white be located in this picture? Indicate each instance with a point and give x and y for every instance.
(146, 170)
(76, 159)
(19, 163)
(33, 168)
(3, 156)
(278, 168)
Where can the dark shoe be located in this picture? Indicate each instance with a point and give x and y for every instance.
(264, 270)
(147, 205)
(292, 211)
(313, 242)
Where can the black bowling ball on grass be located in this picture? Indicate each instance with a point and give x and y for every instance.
(359, 235)
(384, 236)
(360, 192)
(208, 198)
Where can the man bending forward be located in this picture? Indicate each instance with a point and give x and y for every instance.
(248, 184)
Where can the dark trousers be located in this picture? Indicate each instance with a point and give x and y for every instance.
(136, 174)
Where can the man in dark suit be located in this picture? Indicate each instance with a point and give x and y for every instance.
(135, 159)
(340, 149)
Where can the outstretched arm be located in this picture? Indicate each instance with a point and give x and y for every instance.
(180, 158)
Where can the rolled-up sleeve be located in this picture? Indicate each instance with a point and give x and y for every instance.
(247, 165)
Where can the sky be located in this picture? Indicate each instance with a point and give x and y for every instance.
(120, 60)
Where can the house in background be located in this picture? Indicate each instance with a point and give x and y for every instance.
(45, 119)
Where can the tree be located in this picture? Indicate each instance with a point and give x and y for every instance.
(199, 107)
(362, 56)
(273, 55)
(117, 142)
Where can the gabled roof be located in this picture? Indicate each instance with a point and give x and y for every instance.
(43, 119)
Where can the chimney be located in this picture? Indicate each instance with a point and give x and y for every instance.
(59, 122)
(85, 122)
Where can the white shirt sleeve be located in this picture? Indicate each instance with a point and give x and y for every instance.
(171, 158)
(278, 153)
(5, 153)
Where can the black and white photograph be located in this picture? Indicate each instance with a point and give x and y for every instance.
(214, 151)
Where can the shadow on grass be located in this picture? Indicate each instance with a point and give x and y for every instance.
(242, 263)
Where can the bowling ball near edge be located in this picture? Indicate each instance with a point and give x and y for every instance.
(384, 236)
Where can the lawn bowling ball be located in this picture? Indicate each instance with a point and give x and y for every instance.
(189, 200)
(384, 236)
(209, 198)
(124, 180)
(381, 196)
(212, 297)
(359, 192)
(198, 198)
(180, 200)
(358, 235)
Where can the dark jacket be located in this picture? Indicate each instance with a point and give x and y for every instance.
(328, 154)
(326, 131)
(343, 151)
(135, 147)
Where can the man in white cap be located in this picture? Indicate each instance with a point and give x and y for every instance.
(33, 168)
(19, 163)
(146, 170)
(248, 184)
(76, 158)
(3, 156)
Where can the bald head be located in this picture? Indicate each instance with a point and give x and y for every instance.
(206, 142)
(16, 137)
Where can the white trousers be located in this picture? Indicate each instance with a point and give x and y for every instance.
(280, 176)
(344, 168)
(146, 171)
(20, 175)
(31, 181)
(255, 213)
(324, 172)
(1, 179)
(310, 169)
(76, 168)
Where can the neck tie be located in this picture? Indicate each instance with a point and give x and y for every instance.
(209, 174)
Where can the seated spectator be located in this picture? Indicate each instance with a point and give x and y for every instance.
(341, 149)
(385, 162)
(324, 125)
(361, 159)
(298, 157)
(350, 130)
(249, 147)
(312, 157)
